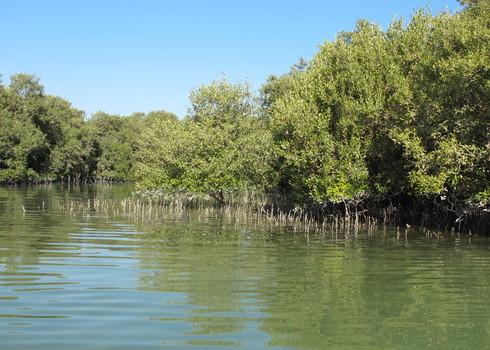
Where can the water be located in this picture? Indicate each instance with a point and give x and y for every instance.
(89, 280)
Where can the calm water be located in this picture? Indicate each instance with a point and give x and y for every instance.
(85, 280)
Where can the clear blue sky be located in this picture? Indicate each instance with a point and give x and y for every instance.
(126, 56)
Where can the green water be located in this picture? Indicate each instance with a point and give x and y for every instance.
(89, 280)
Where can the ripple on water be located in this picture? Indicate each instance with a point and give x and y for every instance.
(68, 281)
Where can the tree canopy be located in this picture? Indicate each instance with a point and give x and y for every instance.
(221, 145)
(374, 113)
(379, 112)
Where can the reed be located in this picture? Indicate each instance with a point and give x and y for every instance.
(250, 210)
(236, 211)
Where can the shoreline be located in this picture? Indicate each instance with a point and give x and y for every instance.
(401, 210)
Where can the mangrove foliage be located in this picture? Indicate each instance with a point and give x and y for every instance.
(399, 115)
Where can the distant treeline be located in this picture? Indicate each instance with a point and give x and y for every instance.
(43, 138)
(396, 113)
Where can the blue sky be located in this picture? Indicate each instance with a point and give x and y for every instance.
(137, 56)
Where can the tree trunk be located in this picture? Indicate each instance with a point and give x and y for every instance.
(218, 196)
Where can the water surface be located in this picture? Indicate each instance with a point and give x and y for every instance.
(85, 279)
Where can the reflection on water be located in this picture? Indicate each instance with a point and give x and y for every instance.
(84, 280)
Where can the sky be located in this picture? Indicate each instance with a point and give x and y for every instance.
(122, 56)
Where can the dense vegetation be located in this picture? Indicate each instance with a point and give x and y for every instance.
(43, 137)
(401, 113)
